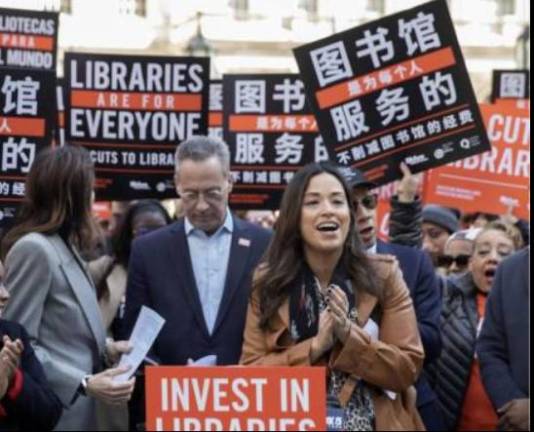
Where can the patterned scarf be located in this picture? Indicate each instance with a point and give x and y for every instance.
(304, 301)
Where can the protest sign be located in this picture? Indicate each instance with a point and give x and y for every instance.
(510, 84)
(383, 214)
(215, 122)
(59, 132)
(514, 103)
(497, 181)
(131, 112)
(271, 133)
(236, 398)
(26, 122)
(394, 90)
(28, 39)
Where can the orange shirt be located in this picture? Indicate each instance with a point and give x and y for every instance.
(477, 411)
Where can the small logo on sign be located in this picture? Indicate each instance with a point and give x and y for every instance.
(416, 159)
(244, 242)
(465, 143)
(139, 186)
(439, 154)
(443, 150)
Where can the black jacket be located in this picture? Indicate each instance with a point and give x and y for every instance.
(459, 321)
(405, 223)
(36, 407)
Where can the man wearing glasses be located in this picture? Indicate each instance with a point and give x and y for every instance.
(419, 277)
(197, 272)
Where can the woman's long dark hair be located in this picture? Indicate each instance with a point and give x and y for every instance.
(284, 258)
(123, 235)
(59, 188)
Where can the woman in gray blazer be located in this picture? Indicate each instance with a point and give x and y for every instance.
(53, 296)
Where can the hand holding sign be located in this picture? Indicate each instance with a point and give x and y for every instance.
(409, 185)
(509, 216)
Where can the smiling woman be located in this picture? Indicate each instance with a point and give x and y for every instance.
(312, 302)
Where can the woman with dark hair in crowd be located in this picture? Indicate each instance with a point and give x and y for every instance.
(457, 381)
(110, 273)
(318, 299)
(52, 294)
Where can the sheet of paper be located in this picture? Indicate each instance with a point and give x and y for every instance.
(372, 330)
(209, 360)
(147, 327)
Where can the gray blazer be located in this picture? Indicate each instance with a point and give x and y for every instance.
(55, 300)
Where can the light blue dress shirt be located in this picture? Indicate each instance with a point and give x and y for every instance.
(209, 256)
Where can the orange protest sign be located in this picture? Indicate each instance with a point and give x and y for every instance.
(494, 182)
(514, 103)
(383, 213)
(235, 398)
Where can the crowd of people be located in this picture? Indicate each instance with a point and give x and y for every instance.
(428, 331)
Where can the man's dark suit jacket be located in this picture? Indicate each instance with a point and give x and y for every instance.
(161, 277)
(422, 282)
(503, 344)
(36, 407)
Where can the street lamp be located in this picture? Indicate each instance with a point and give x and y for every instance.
(198, 46)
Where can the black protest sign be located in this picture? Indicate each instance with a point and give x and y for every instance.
(394, 90)
(215, 122)
(131, 112)
(28, 39)
(271, 133)
(510, 84)
(26, 123)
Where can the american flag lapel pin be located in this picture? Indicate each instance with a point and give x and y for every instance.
(243, 242)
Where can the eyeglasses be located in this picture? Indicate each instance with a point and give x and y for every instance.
(368, 201)
(448, 260)
(211, 196)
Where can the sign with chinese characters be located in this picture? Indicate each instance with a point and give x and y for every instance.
(26, 122)
(497, 181)
(235, 398)
(271, 133)
(510, 84)
(215, 120)
(131, 112)
(394, 90)
(28, 39)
